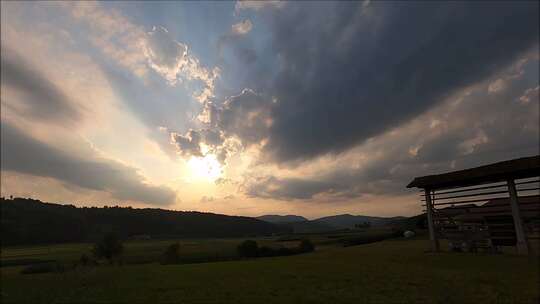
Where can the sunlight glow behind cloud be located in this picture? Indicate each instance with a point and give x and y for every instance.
(205, 168)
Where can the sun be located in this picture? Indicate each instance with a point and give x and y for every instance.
(205, 168)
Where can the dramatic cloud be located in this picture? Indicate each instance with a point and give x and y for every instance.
(452, 136)
(172, 60)
(131, 47)
(39, 97)
(287, 188)
(165, 55)
(335, 103)
(348, 72)
(244, 116)
(23, 154)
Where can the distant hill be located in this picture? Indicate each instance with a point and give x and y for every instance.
(295, 223)
(27, 221)
(344, 221)
(300, 224)
(281, 219)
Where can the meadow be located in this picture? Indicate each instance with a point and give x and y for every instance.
(391, 271)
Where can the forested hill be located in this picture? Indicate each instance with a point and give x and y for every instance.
(27, 221)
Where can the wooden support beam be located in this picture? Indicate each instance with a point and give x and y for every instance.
(431, 224)
(522, 245)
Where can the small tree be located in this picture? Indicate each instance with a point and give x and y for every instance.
(306, 246)
(171, 254)
(109, 247)
(248, 249)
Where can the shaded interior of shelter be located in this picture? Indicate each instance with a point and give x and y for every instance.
(472, 208)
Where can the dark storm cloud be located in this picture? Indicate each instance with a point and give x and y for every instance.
(483, 127)
(245, 115)
(348, 72)
(21, 153)
(43, 99)
(288, 188)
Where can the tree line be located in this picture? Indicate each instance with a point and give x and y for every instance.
(28, 221)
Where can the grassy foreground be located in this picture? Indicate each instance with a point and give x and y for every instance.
(394, 271)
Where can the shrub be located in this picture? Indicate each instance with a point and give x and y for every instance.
(306, 246)
(248, 249)
(109, 247)
(171, 254)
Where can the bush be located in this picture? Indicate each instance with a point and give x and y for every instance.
(171, 254)
(109, 247)
(306, 246)
(248, 249)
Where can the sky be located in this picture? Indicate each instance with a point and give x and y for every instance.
(261, 107)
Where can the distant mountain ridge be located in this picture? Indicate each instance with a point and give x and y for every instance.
(300, 224)
(281, 219)
(343, 221)
(296, 223)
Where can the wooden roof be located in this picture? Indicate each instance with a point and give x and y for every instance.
(497, 172)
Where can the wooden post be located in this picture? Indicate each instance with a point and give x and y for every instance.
(431, 222)
(522, 245)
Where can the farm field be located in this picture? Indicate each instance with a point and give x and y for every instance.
(193, 250)
(135, 252)
(392, 271)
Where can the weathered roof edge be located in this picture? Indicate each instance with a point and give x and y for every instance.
(515, 168)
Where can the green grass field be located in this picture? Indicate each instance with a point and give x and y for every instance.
(136, 252)
(393, 271)
(144, 251)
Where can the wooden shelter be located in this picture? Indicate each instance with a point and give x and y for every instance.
(488, 206)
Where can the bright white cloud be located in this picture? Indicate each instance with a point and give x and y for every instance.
(242, 28)
(135, 49)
